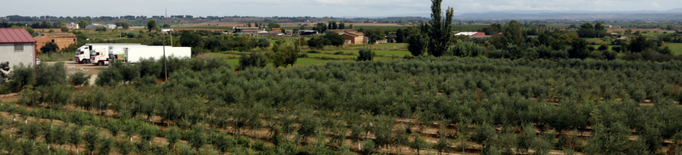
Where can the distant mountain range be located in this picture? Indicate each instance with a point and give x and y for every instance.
(676, 10)
(672, 14)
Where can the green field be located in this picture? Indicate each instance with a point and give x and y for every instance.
(676, 48)
(222, 55)
(309, 61)
(325, 56)
(383, 52)
(233, 62)
(312, 55)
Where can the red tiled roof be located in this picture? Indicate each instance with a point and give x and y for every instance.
(478, 34)
(15, 35)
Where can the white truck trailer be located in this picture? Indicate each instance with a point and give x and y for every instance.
(134, 54)
(83, 53)
(102, 56)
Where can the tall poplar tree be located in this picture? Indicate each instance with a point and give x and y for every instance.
(440, 29)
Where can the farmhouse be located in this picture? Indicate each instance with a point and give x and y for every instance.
(351, 36)
(110, 26)
(62, 40)
(354, 38)
(72, 26)
(17, 46)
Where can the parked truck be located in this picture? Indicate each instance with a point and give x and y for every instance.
(83, 53)
(134, 54)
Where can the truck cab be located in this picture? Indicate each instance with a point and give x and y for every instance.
(83, 54)
(99, 55)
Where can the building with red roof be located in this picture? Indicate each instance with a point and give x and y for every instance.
(17, 46)
(471, 34)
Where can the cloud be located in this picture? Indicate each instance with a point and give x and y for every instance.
(316, 8)
(654, 4)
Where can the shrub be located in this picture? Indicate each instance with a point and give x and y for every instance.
(610, 55)
(617, 49)
(109, 77)
(5, 89)
(51, 74)
(530, 54)
(79, 78)
(101, 28)
(283, 56)
(366, 55)
(498, 54)
(597, 55)
(591, 48)
(603, 48)
(632, 56)
(198, 50)
(417, 44)
(263, 43)
(150, 67)
(49, 47)
(255, 59)
(368, 147)
(639, 95)
(563, 54)
(465, 49)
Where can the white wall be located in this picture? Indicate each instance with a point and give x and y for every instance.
(27, 56)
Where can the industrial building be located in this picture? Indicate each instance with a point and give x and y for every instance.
(17, 46)
(245, 30)
(307, 32)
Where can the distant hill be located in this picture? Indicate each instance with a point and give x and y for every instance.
(673, 14)
(569, 14)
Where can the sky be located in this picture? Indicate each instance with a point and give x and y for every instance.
(315, 8)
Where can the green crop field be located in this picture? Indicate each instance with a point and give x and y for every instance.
(312, 55)
(383, 52)
(676, 48)
(309, 61)
(325, 55)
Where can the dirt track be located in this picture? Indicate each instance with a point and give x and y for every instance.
(90, 69)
